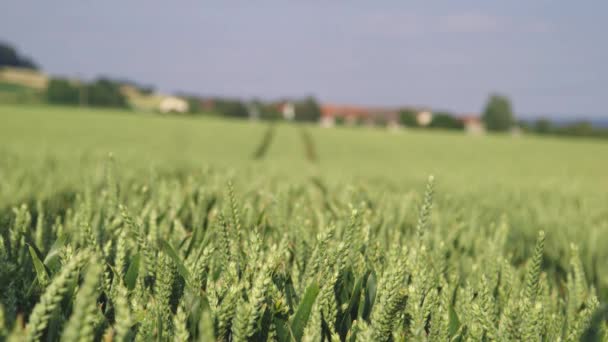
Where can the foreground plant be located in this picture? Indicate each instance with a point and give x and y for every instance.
(184, 259)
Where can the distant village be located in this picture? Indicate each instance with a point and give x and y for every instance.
(142, 100)
(21, 82)
(423, 117)
(332, 115)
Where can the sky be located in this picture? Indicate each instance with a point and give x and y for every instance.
(550, 57)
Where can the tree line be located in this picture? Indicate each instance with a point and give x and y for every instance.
(306, 109)
(102, 92)
(577, 128)
(497, 115)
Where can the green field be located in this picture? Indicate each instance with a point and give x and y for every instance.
(509, 245)
(18, 93)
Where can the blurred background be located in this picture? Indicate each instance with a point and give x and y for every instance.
(472, 66)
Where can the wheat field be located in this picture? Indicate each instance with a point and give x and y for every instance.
(119, 226)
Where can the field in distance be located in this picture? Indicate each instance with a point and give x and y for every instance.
(199, 240)
(458, 161)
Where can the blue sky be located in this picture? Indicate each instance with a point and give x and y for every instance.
(549, 57)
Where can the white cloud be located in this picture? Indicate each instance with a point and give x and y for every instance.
(403, 24)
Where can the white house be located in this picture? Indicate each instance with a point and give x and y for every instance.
(424, 118)
(172, 104)
(253, 111)
(327, 121)
(288, 110)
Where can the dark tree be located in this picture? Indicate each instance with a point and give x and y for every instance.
(62, 91)
(407, 117)
(268, 111)
(10, 57)
(194, 105)
(105, 93)
(445, 120)
(543, 126)
(498, 115)
(578, 128)
(230, 107)
(307, 110)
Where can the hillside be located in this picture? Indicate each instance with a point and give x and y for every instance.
(28, 86)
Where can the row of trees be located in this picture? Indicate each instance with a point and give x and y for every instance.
(105, 92)
(441, 119)
(101, 93)
(306, 110)
(579, 128)
(497, 116)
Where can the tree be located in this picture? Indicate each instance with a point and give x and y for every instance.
(308, 110)
(577, 128)
(10, 57)
(105, 93)
(407, 117)
(194, 105)
(62, 91)
(445, 120)
(269, 111)
(543, 126)
(498, 115)
(230, 107)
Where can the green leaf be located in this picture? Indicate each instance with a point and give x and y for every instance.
(52, 257)
(261, 217)
(370, 296)
(460, 333)
(283, 331)
(41, 271)
(454, 322)
(198, 232)
(159, 328)
(181, 268)
(290, 293)
(132, 272)
(300, 319)
(354, 299)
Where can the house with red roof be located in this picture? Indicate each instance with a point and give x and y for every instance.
(472, 124)
(330, 113)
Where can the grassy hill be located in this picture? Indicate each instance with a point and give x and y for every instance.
(19, 85)
(29, 78)
(27, 86)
